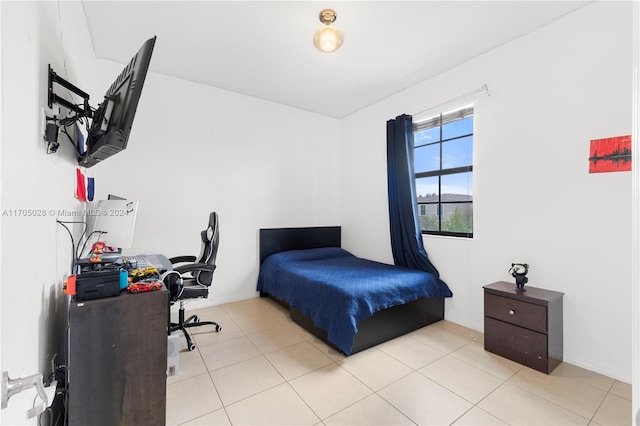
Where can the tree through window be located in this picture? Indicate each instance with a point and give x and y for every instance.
(443, 161)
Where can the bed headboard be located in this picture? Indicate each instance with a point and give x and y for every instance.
(275, 240)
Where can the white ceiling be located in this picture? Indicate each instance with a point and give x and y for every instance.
(264, 48)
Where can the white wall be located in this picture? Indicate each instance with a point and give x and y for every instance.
(195, 149)
(35, 252)
(551, 92)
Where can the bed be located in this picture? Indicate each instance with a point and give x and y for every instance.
(349, 302)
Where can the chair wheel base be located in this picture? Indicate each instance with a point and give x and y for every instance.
(192, 321)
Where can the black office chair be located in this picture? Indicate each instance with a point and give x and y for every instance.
(191, 278)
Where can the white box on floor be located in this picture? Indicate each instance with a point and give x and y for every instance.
(173, 354)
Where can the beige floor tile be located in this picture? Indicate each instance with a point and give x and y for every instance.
(215, 418)
(326, 349)
(440, 338)
(276, 308)
(621, 389)
(228, 352)
(375, 368)
(276, 406)
(411, 352)
(329, 390)
(190, 399)
(207, 335)
(493, 364)
(614, 411)
(260, 322)
(298, 359)
(281, 337)
(516, 406)
(371, 411)
(567, 392)
(469, 382)
(460, 330)
(424, 401)
(244, 379)
(190, 364)
(478, 417)
(248, 307)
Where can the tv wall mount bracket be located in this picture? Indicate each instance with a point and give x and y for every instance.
(81, 111)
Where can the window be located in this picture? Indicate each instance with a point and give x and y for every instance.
(443, 161)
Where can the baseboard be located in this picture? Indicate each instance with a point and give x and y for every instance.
(479, 327)
(606, 370)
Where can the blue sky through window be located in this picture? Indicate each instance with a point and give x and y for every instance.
(455, 153)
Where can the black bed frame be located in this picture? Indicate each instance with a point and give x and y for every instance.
(383, 325)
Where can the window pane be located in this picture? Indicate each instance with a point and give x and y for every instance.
(457, 217)
(457, 128)
(426, 158)
(427, 189)
(445, 199)
(458, 187)
(429, 220)
(457, 153)
(426, 136)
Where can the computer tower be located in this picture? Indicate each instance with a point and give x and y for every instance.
(173, 354)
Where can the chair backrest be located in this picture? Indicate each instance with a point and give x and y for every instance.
(209, 251)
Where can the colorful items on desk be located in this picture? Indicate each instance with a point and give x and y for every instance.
(99, 248)
(105, 279)
(144, 285)
(95, 285)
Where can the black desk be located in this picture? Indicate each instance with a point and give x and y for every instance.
(118, 360)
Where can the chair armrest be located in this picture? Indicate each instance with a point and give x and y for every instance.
(195, 267)
(182, 259)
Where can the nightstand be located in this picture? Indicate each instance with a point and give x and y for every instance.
(524, 326)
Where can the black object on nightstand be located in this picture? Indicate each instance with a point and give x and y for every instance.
(525, 327)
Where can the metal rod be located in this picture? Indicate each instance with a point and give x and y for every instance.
(483, 88)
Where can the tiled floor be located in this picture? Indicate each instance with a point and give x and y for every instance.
(262, 369)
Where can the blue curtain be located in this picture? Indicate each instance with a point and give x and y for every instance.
(406, 238)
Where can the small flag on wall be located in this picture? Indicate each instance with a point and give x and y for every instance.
(610, 154)
(84, 186)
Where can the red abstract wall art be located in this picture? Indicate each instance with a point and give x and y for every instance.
(610, 154)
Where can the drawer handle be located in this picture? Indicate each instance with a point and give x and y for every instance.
(511, 312)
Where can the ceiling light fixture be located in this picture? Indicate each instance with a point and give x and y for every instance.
(328, 39)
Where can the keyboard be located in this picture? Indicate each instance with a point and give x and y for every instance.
(145, 260)
(135, 261)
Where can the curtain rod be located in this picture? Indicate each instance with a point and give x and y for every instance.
(483, 88)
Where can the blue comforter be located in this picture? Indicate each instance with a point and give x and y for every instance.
(337, 290)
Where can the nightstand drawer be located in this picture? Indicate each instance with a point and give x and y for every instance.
(524, 346)
(516, 312)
